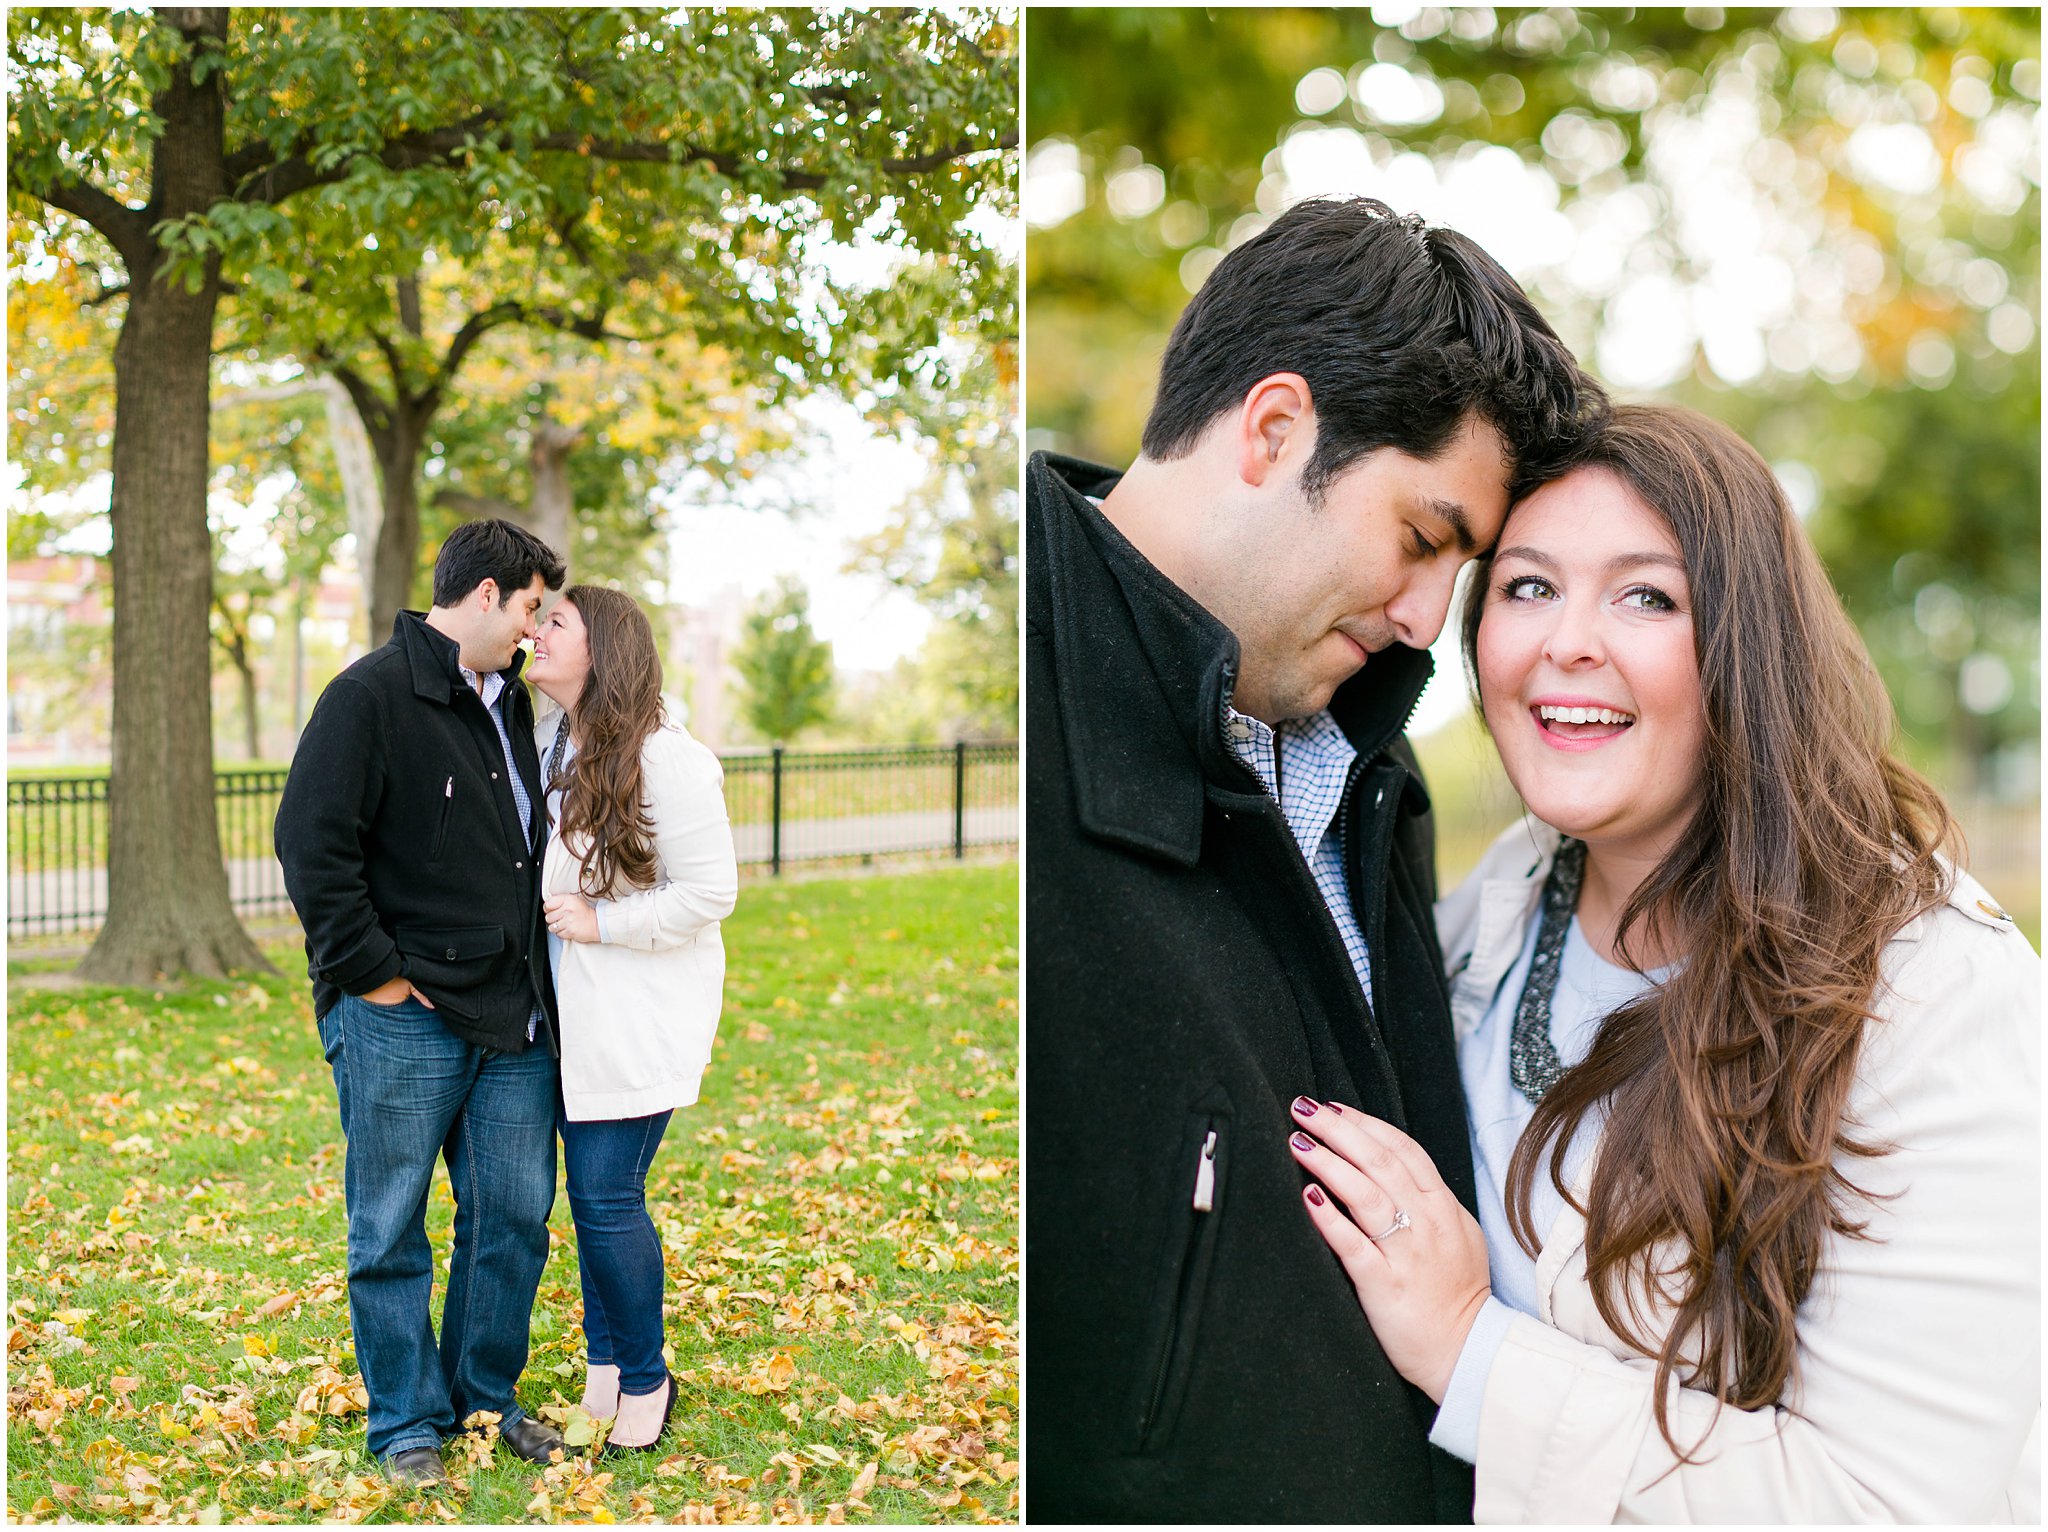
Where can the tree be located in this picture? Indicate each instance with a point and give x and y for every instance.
(167, 886)
(953, 543)
(251, 152)
(619, 250)
(585, 449)
(281, 502)
(785, 669)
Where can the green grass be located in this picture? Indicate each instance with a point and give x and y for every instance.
(839, 1215)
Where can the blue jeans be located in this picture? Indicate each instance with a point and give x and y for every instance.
(410, 1090)
(616, 1246)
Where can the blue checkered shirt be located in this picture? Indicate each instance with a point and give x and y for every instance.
(1314, 764)
(492, 689)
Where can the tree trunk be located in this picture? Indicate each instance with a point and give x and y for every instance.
(357, 464)
(252, 728)
(298, 660)
(552, 517)
(396, 557)
(167, 890)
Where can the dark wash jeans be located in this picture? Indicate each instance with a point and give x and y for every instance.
(411, 1091)
(616, 1246)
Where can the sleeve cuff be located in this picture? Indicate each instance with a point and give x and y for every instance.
(1457, 1418)
(604, 928)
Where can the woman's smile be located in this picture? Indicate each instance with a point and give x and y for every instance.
(1579, 723)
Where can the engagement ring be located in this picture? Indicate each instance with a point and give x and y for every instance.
(1400, 1222)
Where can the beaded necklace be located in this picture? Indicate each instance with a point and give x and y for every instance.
(1532, 1057)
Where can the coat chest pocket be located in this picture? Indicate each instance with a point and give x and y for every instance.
(1187, 1253)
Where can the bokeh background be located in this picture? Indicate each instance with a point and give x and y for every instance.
(1821, 226)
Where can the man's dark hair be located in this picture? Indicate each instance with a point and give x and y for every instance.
(1400, 330)
(497, 550)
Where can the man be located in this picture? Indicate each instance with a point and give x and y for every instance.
(1230, 863)
(411, 832)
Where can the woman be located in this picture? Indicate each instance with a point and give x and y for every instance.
(1753, 1069)
(638, 873)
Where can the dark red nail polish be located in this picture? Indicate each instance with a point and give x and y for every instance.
(1302, 1142)
(1303, 1107)
(1314, 1194)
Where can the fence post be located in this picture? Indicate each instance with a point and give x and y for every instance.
(775, 817)
(959, 799)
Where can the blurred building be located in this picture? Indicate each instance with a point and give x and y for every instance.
(700, 669)
(60, 683)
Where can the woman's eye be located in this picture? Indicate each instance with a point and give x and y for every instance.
(1647, 598)
(1525, 588)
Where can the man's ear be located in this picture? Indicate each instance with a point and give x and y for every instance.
(1275, 421)
(489, 591)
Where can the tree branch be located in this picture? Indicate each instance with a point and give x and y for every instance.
(126, 228)
(409, 305)
(395, 362)
(474, 329)
(274, 393)
(263, 179)
(258, 179)
(371, 410)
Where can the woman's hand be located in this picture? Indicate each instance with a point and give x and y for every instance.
(1421, 1278)
(571, 917)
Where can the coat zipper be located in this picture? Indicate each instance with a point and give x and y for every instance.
(1205, 1176)
(447, 812)
(1204, 1202)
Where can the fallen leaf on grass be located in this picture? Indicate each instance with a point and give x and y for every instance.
(862, 1483)
(333, 1392)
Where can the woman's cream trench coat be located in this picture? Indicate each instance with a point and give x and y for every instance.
(639, 1008)
(1917, 1394)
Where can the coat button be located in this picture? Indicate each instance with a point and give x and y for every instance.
(451, 954)
(494, 776)
(1992, 910)
(519, 867)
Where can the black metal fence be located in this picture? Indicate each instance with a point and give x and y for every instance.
(786, 806)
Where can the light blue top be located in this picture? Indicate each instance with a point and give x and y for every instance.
(553, 795)
(1304, 764)
(1589, 988)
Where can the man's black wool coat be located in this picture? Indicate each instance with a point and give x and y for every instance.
(1183, 979)
(402, 847)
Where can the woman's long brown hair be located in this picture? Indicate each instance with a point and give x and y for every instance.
(1726, 1088)
(604, 820)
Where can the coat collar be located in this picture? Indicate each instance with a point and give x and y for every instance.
(1143, 673)
(435, 659)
